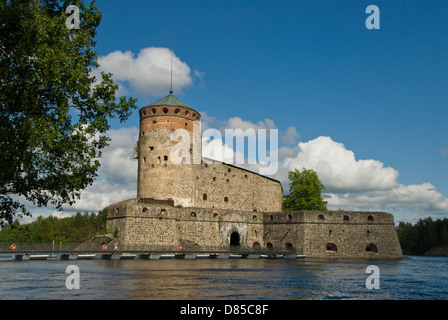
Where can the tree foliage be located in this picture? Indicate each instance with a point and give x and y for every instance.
(423, 236)
(76, 229)
(305, 191)
(53, 112)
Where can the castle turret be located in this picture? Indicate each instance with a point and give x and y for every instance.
(169, 145)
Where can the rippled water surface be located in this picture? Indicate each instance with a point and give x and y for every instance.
(416, 278)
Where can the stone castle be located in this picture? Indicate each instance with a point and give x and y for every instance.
(192, 202)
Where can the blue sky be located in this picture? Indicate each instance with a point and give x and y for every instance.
(343, 90)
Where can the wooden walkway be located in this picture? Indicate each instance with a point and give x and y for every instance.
(78, 251)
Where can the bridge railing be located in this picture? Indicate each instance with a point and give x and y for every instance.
(126, 248)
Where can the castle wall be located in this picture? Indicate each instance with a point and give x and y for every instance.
(323, 234)
(224, 186)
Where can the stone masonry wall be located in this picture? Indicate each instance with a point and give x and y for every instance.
(323, 234)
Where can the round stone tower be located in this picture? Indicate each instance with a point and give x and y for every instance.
(168, 148)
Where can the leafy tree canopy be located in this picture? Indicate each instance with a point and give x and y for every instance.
(304, 192)
(53, 112)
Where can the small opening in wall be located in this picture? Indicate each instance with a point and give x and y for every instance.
(144, 112)
(346, 218)
(256, 246)
(321, 217)
(214, 178)
(372, 247)
(154, 121)
(288, 247)
(145, 210)
(271, 217)
(229, 170)
(254, 217)
(368, 233)
(204, 196)
(187, 113)
(215, 215)
(370, 218)
(289, 216)
(226, 199)
(330, 246)
(270, 246)
(144, 159)
(193, 214)
(165, 110)
(165, 158)
(330, 232)
(151, 148)
(177, 111)
(153, 110)
(245, 176)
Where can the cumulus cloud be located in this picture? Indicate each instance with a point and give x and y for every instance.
(117, 176)
(148, 73)
(338, 168)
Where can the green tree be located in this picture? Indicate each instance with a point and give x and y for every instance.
(53, 112)
(305, 191)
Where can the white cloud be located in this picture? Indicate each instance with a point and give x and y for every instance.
(338, 169)
(117, 176)
(148, 73)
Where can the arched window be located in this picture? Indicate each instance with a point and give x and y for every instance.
(370, 218)
(256, 246)
(331, 246)
(321, 217)
(226, 199)
(288, 247)
(372, 247)
(346, 218)
(204, 196)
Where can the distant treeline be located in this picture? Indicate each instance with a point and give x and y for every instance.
(423, 236)
(76, 229)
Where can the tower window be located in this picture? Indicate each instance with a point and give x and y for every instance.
(153, 110)
(165, 158)
(226, 199)
(151, 148)
(193, 214)
(177, 111)
(370, 218)
(321, 217)
(204, 196)
(165, 110)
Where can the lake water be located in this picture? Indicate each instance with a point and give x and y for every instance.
(418, 278)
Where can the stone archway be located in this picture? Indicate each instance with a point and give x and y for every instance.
(235, 239)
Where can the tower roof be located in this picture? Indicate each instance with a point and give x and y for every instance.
(170, 100)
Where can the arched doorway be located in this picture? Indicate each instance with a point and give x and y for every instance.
(235, 239)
